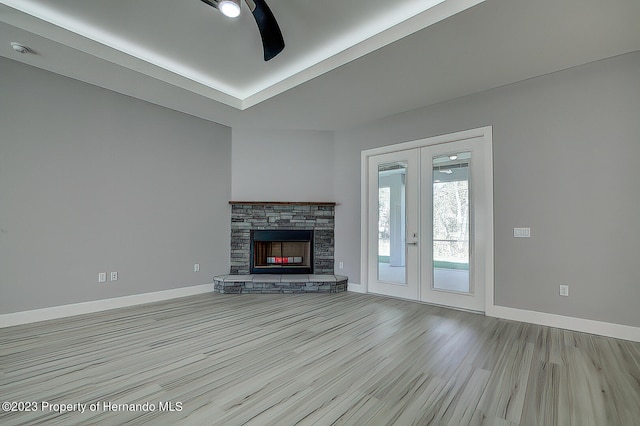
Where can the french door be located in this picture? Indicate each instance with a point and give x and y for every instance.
(394, 229)
(428, 223)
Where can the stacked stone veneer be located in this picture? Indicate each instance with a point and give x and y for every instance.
(267, 283)
(280, 216)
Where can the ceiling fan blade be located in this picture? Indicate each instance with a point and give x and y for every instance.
(272, 41)
(211, 3)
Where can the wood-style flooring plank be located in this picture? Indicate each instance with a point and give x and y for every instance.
(315, 359)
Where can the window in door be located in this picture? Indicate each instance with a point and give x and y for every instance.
(391, 222)
(451, 222)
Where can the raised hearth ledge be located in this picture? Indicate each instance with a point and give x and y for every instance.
(274, 283)
(285, 203)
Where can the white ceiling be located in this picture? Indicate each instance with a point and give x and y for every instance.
(345, 62)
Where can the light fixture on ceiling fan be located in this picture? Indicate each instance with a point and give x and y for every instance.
(230, 8)
(272, 40)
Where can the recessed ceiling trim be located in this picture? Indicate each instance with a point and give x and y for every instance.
(55, 26)
(47, 22)
(362, 44)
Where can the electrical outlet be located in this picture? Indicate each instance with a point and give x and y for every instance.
(196, 267)
(564, 290)
(114, 276)
(340, 265)
(102, 277)
(522, 232)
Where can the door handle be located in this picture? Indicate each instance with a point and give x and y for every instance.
(413, 243)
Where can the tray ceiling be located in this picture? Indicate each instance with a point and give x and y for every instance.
(189, 40)
(345, 62)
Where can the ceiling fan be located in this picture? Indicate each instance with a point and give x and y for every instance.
(272, 41)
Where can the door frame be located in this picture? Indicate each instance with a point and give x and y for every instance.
(486, 238)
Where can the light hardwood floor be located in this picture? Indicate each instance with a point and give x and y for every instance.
(316, 359)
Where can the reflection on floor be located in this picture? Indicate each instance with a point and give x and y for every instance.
(444, 279)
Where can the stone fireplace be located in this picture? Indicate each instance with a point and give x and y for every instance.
(247, 218)
(281, 247)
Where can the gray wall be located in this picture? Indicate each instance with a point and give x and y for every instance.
(282, 165)
(566, 152)
(93, 181)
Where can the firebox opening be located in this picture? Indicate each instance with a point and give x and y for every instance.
(282, 252)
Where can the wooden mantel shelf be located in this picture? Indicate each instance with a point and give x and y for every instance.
(286, 203)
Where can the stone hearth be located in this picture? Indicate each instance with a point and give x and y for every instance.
(268, 283)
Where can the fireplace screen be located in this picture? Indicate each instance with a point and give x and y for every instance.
(281, 252)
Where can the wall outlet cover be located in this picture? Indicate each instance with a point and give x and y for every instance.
(114, 276)
(522, 232)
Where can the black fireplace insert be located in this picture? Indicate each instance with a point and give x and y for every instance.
(281, 252)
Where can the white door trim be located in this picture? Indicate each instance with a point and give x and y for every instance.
(486, 133)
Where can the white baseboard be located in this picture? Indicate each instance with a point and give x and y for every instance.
(356, 288)
(607, 329)
(618, 331)
(26, 317)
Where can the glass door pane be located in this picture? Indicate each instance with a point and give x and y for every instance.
(392, 222)
(393, 265)
(451, 222)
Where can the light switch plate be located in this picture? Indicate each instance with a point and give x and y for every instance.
(522, 232)
(564, 290)
(102, 277)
